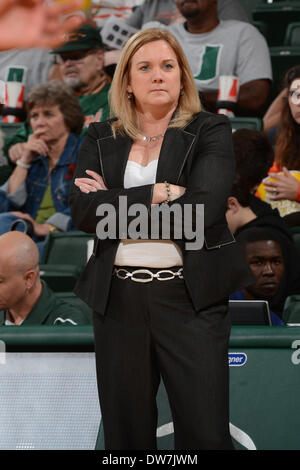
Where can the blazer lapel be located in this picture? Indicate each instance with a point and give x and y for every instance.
(113, 155)
(176, 147)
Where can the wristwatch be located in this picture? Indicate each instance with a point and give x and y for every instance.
(26, 166)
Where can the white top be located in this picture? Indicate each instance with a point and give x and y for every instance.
(147, 253)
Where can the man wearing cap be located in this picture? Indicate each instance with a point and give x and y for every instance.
(81, 66)
(81, 62)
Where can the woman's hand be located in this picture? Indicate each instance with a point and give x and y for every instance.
(160, 193)
(16, 151)
(286, 186)
(35, 23)
(34, 146)
(93, 184)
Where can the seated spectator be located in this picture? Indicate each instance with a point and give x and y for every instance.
(81, 60)
(81, 64)
(166, 12)
(231, 47)
(38, 188)
(254, 156)
(242, 216)
(24, 298)
(266, 255)
(283, 190)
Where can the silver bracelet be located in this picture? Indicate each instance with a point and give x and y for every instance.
(168, 193)
(23, 165)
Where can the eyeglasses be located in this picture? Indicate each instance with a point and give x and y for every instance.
(73, 55)
(295, 96)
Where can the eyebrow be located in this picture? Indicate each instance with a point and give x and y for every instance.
(148, 61)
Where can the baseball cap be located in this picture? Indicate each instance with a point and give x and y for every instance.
(86, 37)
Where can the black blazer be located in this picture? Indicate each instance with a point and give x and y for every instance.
(199, 157)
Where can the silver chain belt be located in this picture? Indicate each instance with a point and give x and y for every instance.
(122, 273)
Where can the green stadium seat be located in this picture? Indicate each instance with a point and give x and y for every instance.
(282, 59)
(72, 299)
(246, 123)
(291, 310)
(277, 16)
(64, 257)
(292, 35)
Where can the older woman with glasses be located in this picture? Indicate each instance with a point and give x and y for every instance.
(160, 305)
(37, 190)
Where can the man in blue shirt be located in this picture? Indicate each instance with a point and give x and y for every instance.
(265, 258)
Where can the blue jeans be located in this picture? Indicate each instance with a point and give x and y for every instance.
(6, 221)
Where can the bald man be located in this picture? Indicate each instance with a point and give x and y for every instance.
(24, 298)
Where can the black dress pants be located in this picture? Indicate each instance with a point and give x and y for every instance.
(151, 331)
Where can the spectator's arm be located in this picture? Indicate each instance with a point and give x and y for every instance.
(254, 70)
(253, 95)
(61, 220)
(272, 116)
(34, 23)
(14, 200)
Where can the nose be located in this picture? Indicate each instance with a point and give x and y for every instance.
(157, 76)
(268, 269)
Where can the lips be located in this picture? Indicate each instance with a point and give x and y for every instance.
(269, 286)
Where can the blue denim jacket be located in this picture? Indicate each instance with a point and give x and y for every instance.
(29, 195)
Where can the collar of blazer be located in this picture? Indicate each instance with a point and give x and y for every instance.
(176, 147)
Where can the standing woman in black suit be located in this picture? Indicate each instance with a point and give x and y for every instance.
(160, 149)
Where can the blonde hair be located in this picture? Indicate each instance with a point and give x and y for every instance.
(124, 109)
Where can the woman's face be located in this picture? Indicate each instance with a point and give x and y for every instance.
(294, 99)
(47, 122)
(155, 77)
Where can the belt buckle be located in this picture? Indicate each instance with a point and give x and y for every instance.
(141, 271)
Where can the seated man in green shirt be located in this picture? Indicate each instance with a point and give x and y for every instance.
(24, 298)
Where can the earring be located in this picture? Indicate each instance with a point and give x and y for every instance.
(129, 96)
(181, 92)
